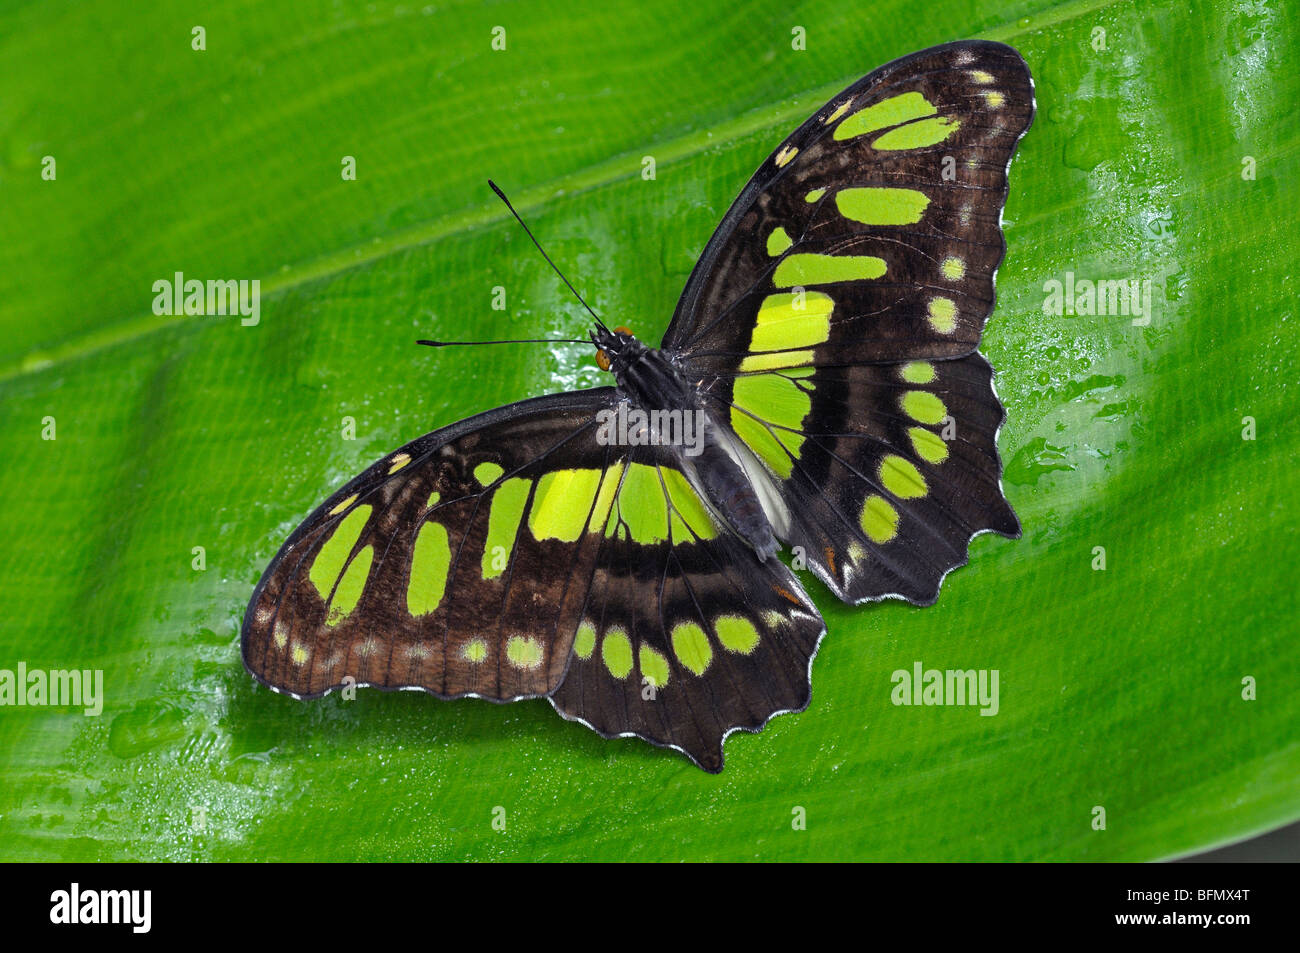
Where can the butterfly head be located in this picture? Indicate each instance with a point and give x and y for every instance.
(615, 349)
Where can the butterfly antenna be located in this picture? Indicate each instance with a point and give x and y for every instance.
(529, 233)
(514, 341)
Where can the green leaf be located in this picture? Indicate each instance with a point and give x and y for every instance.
(1120, 688)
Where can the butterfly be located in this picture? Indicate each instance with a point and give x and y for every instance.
(818, 390)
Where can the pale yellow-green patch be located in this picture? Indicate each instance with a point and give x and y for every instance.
(399, 461)
(954, 269)
(917, 372)
(475, 651)
(882, 206)
(434, 497)
(605, 497)
(929, 446)
(344, 505)
(300, 653)
(506, 509)
(642, 506)
(775, 359)
(994, 99)
(840, 110)
(616, 652)
(691, 517)
(923, 407)
(280, 633)
(691, 646)
(487, 472)
(887, 112)
(584, 642)
(879, 519)
(815, 269)
(901, 478)
(330, 559)
(814, 196)
(917, 135)
(562, 504)
(785, 322)
(353, 582)
(654, 666)
(430, 560)
(943, 315)
(785, 155)
(776, 400)
(523, 652)
(736, 633)
(778, 241)
(981, 76)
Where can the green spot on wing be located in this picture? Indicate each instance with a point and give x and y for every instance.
(507, 508)
(641, 505)
(563, 504)
(488, 472)
(882, 206)
(691, 646)
(333, 554)
(430, 559)
(584, 642)
(653, 666)
(736, 633)
(692, 517)
(778, 241)
(616, 652)
(923, 406)
(776, 400)
(917, 135)
(887, 112)
(350, 587)
(814, 269)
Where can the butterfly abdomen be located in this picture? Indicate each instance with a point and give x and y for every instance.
(733, 498)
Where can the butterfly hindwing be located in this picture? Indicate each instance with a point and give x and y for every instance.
(886, 470)
(688, 637)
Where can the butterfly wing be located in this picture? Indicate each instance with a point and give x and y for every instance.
(685, 636)
(458, 564)
(835, 314)
(515, 555)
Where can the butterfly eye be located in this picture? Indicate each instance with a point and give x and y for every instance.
(602, 360)
(623, 329)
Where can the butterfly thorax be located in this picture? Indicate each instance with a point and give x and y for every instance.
(650, 380)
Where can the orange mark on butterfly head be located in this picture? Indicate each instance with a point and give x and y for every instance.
(602, 359)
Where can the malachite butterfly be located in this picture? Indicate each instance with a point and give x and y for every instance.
(827, 339)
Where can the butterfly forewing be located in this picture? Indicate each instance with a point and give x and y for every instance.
(873, 232)
(457, 564)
